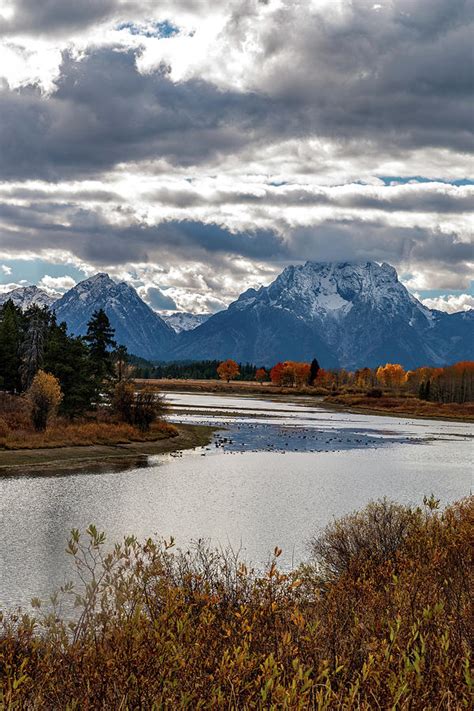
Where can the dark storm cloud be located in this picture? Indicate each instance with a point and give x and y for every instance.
(401, 75)
(158, 301)
(53, 16)
(350, 240)
(89, 236)
(58, 17)
(408, 200)
(374, 82)
(105, 112)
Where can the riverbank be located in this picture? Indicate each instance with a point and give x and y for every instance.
(358, 403)
(401, 407)
(235, 387)
(59, 460)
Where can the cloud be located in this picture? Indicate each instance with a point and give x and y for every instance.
(53, 16)
(6, 270)
(387, 83)
(450, 303)
(54, 285)
(158, 300)
(204, 146)
(104, 112)
(5, 288)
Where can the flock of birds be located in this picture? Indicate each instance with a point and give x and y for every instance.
(240, 437)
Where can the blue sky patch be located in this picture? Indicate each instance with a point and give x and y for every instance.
(162, 30)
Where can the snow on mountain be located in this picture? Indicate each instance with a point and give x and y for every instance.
(136, 325)
(346, 314)
(182, 321)
(26, 296)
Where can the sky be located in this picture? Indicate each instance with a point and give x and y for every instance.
(195, 148)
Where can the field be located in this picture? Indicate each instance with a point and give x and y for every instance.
(239, 387)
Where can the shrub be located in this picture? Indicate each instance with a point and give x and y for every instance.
(376, 534)
(375, 393)
(4, 428)
(198, 629)
(44, 396)
(123, 401)
(148, 406)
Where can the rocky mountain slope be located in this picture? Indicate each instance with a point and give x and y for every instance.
(136, 325)
(346, 314)
(26, 296)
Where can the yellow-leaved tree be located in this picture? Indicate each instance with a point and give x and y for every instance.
(44, 396)
(391, 375)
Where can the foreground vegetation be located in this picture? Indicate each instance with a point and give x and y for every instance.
(379, 618)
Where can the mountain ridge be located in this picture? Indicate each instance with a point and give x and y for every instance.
(347, 314)
(26, 296)
(136, 325)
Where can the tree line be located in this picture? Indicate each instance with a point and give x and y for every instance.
(33, 341)
(192, 370)
(452, 383)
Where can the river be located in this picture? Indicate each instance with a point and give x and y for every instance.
(275, 475)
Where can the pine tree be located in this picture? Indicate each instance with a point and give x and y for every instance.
(313, 372)
(100, 338)
(68, 359)
(32, 347)
(11, 326)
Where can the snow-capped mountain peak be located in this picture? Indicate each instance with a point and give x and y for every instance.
(136, 325)
(183, 321)
(349, 314)
(26, 296)
(316, 290)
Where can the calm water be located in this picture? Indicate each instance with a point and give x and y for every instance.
(278, 473)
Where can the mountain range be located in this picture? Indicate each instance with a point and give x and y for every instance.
(26, 296)
(346, 314)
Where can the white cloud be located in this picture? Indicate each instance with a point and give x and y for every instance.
(6, 270)
(5, 288)
(324, 100)
(55, 285)
(450, 303)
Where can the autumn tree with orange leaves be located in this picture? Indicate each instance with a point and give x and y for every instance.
(261, 375)
(228, 370)
(391, 375)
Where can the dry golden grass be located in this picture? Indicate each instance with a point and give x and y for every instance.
(64, 434)
(101, 427)
(247, 387)
(405, 405)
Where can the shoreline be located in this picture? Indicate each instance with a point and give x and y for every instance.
(309, 396)
(386, 412)
(49, 461)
